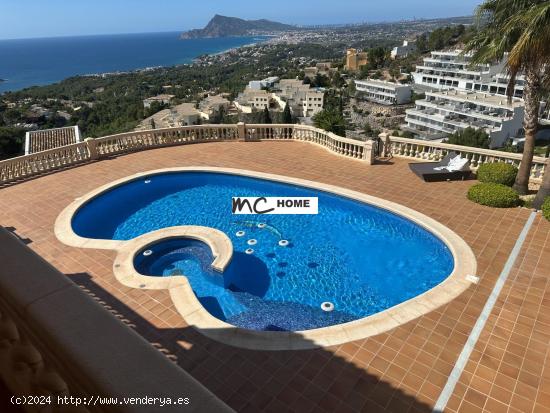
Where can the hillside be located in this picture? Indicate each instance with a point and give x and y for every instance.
(222, 26)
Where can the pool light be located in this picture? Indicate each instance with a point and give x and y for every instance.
(327, 306)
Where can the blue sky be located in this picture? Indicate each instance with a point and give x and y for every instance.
(40, 18)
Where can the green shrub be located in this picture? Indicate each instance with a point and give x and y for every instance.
(546, 208)
(494, 195)
(497, 173)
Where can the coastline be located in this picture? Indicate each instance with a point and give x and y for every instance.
(268, 39)
(172, 50)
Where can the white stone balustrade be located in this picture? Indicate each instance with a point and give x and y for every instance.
(22, 167)
(435, 151)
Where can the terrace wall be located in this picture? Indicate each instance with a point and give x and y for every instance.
(24, 167)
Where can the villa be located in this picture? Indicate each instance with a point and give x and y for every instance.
(164, 99)
(180, 115)
(253, 99)
(214, 104)
(321, 68)
(80, 317)
(304, 100)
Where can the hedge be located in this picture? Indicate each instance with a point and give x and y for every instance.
(494, 195)
(546, 208)
(497, 173)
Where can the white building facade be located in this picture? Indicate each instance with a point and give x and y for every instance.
(385, 93)
(454, 69)
(302, 99)
(443, 113)
(404, 50)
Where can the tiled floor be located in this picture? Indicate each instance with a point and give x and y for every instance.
(510, 366)
(402, 370)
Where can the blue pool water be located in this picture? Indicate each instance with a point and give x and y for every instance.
(361, 258)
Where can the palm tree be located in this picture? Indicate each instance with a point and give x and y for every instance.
(522, 29)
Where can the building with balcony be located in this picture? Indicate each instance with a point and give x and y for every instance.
(404, 50)
(184, 114)
(214, 104)
(304, 101)
(163, 99)
(266, 83)
(253, 99)
(454, 70)
(355, 60)
(443, 113)
(43, 140)
(385, 93)
(321, 68)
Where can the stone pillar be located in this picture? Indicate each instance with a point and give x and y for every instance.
(92, 147)
(368, 152)
(385, 139)
(241, 131)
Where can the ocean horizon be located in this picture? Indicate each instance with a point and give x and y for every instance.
(42, 61)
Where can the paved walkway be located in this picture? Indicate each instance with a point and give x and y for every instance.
(402, 370)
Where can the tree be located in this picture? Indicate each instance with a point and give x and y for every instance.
(287, 116)
(522, 28)
(11, 141)
(477, 138)
(320, 81)
(218, 116)
(330, 120)
(337, 80)
(266, 117)
(376, 56)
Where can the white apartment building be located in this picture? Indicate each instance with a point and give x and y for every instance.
(252, 99)
(385, 93)
(442, 113)
(303, 100)
(452, 69)
(268, 82)
(403, 50)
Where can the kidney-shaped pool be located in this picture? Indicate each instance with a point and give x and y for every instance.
(349, 261)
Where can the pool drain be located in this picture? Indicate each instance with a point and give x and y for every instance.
(249, 251)
(240, 233)
(327, 306)
(283, 243)
(252, 242)
(146, 253)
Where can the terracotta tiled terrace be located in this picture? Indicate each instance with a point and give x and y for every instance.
(402, 370)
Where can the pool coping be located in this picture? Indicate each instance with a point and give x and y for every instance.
(197, 316)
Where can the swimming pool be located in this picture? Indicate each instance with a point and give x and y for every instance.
(361, 258)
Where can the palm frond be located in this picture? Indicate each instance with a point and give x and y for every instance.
(518, 30)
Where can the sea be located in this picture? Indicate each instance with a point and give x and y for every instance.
(36, 62)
